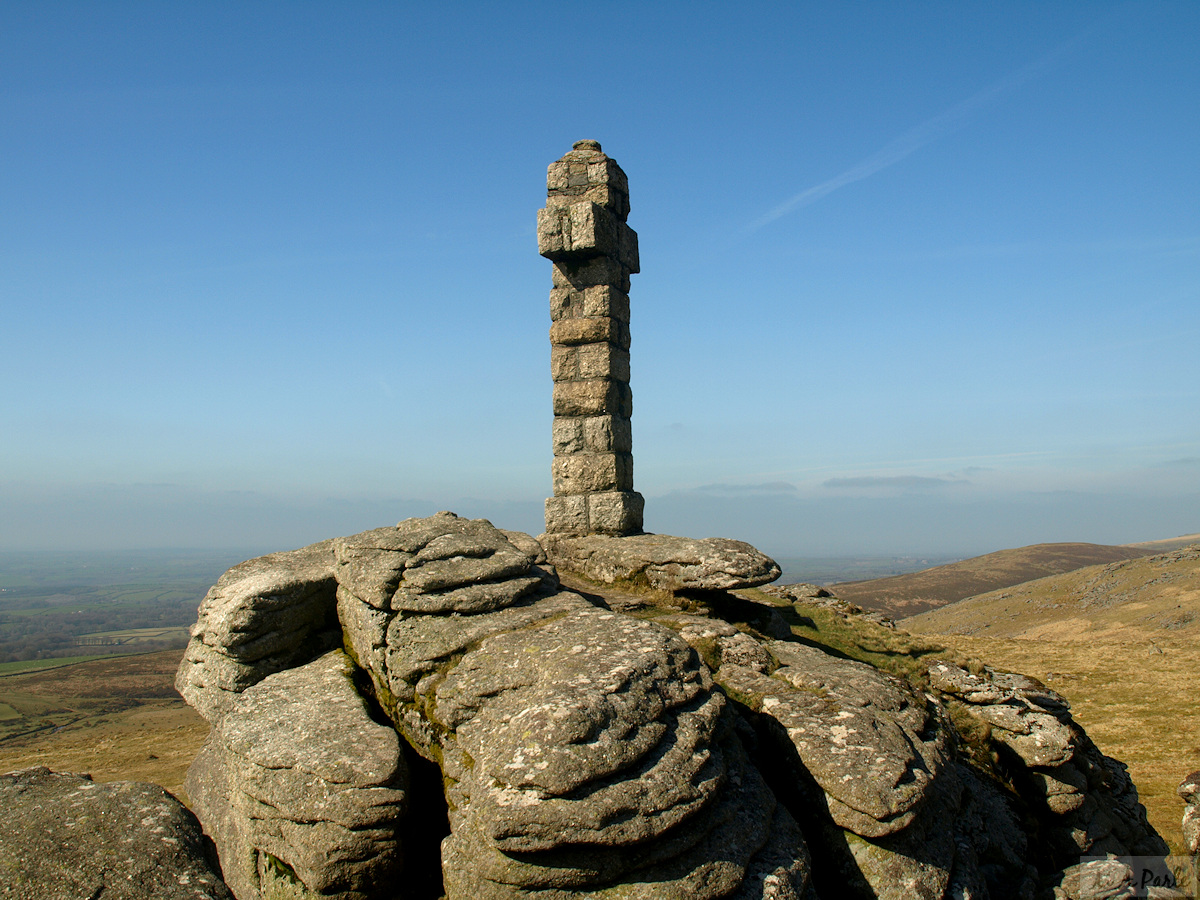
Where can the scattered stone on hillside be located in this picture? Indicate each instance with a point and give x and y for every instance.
(1096, 879)
(301, 790)
(1189, 790)
(662, 562)
(63, 836)
(262, 616)
(802, 590)
(1084, 799)
(815, 595)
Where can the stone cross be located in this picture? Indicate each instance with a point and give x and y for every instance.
(582, 231)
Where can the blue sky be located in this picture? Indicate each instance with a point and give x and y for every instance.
(917, 278)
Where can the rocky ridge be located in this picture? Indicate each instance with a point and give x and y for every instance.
(693, 745)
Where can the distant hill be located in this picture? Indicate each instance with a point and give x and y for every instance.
(907, 595)
(1166, 544)
(1158, 593)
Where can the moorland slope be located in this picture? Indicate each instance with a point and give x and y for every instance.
(1121, 642)
(900, 596)
(117, 719)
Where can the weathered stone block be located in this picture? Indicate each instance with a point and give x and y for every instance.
(595, 397)
(615, 512)
(599, 270)
(276, 778)
(603, 360)
(582, 473)
(601, 194)
(567, 434)
(585, 167)
(587, 173)
(565, 302)
(605, 300)
(606, 433)
(564, 362)
(606, 171)
(601, 300)
(567, 515)
(569, 332)
(584, 229)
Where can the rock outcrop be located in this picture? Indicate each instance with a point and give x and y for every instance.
(697, 748)
(1189, 790)
(62, 837)
(262, 616)
(1084, 801)
(298, 786)
(583, 750)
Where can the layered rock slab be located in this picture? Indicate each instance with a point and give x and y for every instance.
(301, 790)
(585, 752)
(262, 616)
(868, 765)
(871, 744)
(662, 562)
(64, 837)
(1085, 800)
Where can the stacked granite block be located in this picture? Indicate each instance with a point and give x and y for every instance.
(583, 231)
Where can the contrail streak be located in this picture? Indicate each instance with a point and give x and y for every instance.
(917, 137)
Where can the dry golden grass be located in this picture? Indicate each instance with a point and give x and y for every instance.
(155, 742)
(118, 719)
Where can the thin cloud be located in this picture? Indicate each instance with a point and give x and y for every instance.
(770, 487)
(910, 482)
(916, 138)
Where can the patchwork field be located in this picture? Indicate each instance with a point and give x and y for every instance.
(70, 605)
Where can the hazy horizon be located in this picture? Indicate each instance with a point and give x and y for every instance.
(782, 523)
(917, 279)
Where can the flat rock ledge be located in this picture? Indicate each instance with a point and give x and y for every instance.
(661, 561)
(63, 836)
